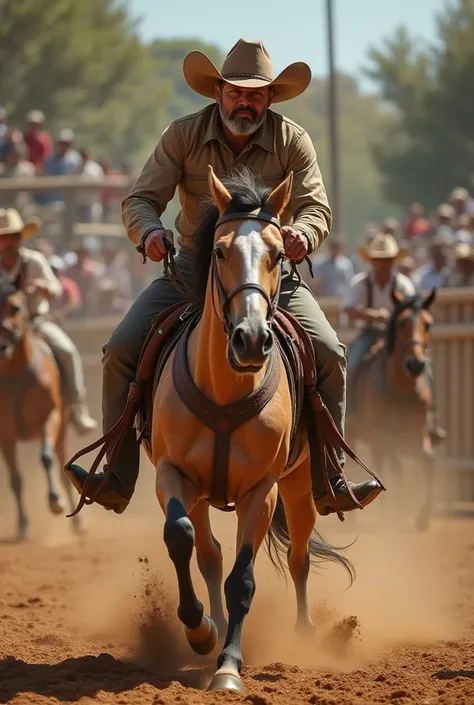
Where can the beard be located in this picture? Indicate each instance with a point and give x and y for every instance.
(241, 126)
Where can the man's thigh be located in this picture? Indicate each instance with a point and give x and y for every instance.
(300, 302)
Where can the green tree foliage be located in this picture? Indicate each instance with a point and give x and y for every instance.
(428, 145)
(83, 63)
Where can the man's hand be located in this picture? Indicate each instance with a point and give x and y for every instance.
(296, 245)
(38, 286)
(382, 315)
(156, 244)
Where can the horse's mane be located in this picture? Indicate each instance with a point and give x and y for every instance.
(7, 287)
(248, 192)
(412, 302)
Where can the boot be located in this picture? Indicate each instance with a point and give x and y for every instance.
(81, 419)
(120, 487)
(113, 497)
(365, 492)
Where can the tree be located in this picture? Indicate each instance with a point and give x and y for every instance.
(428, 146)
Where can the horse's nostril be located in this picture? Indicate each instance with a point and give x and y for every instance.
(238, 341)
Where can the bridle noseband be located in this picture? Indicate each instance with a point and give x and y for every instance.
(224, 297)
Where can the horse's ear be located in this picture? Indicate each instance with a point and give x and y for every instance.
(429, 299)
(219, 193)
(279, 197)
(397, 297)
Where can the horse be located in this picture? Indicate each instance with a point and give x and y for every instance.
(228, 356)
(393, 397)
(30, 399)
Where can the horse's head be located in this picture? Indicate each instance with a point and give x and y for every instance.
(245, 266)
(408, 330)
(13, 315)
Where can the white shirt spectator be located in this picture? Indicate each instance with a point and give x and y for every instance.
(333, 274)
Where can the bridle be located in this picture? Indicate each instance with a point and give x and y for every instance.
(226, 298)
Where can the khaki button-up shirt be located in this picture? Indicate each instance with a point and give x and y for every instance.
(35, 266)
(190, 144)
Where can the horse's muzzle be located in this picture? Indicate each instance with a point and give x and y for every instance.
(251, 345)
(414, 366)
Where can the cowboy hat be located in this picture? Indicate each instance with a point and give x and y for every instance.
(382, 246)
(11, 223)
(464, 250)
(247, 65)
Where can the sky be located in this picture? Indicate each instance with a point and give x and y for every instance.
(291, 31)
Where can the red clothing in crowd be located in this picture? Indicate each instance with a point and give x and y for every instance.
(40, 147)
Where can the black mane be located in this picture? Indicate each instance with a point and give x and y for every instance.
(248, 192)
(414, 303)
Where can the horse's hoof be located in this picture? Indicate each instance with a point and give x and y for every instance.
(227, 681)
(203, 640)
(305, 630)
(55, 505)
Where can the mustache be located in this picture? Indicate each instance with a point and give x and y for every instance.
(247, 109)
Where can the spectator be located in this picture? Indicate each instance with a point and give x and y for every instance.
(13, 139)
(38, 141)
(16, 167)
(115, 286)
(432, 275)
(391, 226)
(459, 200)
(89, 205)
(444, 216)
(86, 272)
(62, 163)
(3, 130)
(406, 266)
(110, 199)
(416, 223)
(70, 301)
(462, 274)
(333, 271)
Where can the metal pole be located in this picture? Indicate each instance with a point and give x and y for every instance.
(335, 192)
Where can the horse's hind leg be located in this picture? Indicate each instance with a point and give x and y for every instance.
(50, 436)
(8, 449)
(428, 461)
(296, 493)
(177, 497)
(254, 512)
(209, 558)
(61, 457)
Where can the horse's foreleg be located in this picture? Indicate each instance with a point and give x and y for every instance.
(209, 558)
(254, 512)
(300, 511)
(177, 497)
(8, 449)
(428, 462)
(50, 437)
(61, 457)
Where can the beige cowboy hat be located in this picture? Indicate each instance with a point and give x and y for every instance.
(464, 250)
(382, 246)
(11, 223)
(247, 65)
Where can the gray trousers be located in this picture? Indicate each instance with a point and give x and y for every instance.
(68, 359)
(122, 351)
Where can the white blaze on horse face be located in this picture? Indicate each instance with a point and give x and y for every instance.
(252, 248)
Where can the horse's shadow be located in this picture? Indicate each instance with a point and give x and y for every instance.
(76, 678)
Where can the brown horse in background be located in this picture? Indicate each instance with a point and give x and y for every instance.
(30, 400)
(394, 397)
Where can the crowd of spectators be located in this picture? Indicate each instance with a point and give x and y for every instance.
(100, 276)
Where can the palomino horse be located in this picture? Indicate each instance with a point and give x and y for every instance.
(230, 356)
(30, 399)
(393, 398)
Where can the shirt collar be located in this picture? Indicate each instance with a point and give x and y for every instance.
(264, 137)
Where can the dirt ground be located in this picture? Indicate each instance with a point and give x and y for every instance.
(91, 620)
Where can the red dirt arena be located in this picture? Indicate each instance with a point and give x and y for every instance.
(92, 620)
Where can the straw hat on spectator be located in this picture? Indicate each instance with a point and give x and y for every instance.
(445, 210)
(459, 194)
(382, 246)
(11, 223)
(464, 250)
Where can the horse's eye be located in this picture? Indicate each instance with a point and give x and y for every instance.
(427, 325)
(219, 253)
(14, 309)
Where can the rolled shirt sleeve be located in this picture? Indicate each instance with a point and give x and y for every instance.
(309, 202)
(155, 187)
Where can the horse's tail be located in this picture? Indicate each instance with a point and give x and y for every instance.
(320, 550)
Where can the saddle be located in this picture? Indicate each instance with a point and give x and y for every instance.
(170, 331)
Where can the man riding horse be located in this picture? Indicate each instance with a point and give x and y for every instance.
(238, 129)
(369, 301)
(40, 285)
